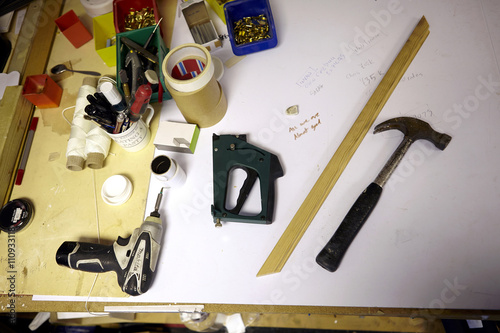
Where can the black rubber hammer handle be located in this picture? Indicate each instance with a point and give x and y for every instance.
(330, 257)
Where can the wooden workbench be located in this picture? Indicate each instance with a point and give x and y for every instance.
(68, 202)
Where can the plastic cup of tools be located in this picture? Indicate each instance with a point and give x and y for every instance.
(137, 136)
(116, 190)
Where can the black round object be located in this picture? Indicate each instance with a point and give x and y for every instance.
(16, 215)
(160, 164)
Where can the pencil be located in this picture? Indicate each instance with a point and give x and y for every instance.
(26, 152)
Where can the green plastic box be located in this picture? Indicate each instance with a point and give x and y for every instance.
(140, 36)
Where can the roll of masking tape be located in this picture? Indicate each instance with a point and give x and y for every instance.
(190, 78)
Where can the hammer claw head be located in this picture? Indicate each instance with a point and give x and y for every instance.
(415, 129)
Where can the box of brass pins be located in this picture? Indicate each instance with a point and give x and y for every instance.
(134, 14)
(201, 27)
(250, 26)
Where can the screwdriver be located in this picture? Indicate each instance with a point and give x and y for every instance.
(152, 34)
(139, 102)
(156, 213)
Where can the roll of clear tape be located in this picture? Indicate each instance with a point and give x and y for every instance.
(200, 99)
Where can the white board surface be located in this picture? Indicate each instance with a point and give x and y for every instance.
(432, 240)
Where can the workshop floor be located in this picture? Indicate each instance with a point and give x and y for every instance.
(24, 319)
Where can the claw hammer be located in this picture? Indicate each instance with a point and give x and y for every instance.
(413, 129)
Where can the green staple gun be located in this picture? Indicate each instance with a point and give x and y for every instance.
(232, 152)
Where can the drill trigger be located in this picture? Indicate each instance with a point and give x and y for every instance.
(123, 241)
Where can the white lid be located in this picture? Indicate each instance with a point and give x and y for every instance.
(151, 76)
(111, 93)
(116, 190)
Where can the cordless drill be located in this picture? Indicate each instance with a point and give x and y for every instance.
(133, 258)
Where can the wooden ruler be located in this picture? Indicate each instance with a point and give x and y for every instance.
(321, 189)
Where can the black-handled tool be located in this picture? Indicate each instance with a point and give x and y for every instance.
(139, 49)
(413, 129)
(136, 77)
(133, 258)
(329, 258)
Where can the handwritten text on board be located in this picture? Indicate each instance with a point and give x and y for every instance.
(306, 126)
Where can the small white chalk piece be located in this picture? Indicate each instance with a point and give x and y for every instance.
(292, 110)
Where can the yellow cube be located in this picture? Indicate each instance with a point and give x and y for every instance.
(105, 38)
(218, 8)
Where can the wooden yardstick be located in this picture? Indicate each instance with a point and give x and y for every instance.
(321, 189)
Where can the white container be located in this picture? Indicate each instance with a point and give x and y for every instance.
(167, 171)
(116, 190)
